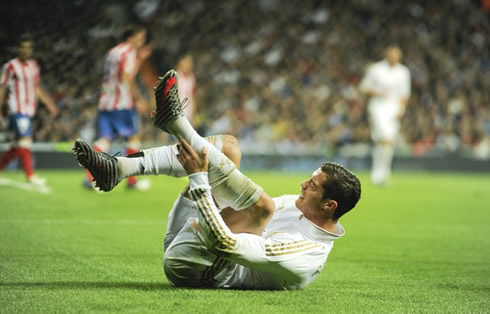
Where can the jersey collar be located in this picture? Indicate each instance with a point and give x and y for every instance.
(319, 234)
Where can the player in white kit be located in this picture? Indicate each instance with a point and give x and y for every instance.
(21, 78)
(387, 84)
(254, 242)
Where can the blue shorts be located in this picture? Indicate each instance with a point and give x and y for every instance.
(21, 125)
(123, 123)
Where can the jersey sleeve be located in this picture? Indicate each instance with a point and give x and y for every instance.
(256, 252)
(369, 80)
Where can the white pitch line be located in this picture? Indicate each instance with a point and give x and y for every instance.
(24, 186)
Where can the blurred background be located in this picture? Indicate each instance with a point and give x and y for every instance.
(282, 76)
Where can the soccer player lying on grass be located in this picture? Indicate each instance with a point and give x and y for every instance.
(255, 241)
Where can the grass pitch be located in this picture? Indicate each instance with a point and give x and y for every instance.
(421, 245)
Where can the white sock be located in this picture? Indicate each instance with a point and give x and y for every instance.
(181, 128)
(381, 165)
(387, 160)
(129, 166)
(376, 167)
(158, 160)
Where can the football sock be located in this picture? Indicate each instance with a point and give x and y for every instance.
(387, 160)
(7, 156)
(156, 161)
(381, 164)
(130, 151)
(25, 156)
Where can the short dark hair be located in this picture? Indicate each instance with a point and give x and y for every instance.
(130, 30)
(342, 186)
(24, 38)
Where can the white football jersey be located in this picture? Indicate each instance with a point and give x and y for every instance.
(391, 81)
(290, 254)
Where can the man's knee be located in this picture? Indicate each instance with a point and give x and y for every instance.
(265, 206)
(231, 149)
(252, 219)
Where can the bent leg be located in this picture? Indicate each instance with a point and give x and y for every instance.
(163, 159)
(253, 219)
(182, 209)
(133, 147)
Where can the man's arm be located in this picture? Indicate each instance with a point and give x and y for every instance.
(405, 93)
(2, 99)
(129, 81)
(368, 84)
(48, 101)
(128, 76)
(3, 88)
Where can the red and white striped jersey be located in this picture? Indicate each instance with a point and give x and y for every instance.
(22, 80)
(116, 95)
(187, 89)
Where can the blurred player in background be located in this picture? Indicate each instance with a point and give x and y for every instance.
(21, 79)
(187, 86)
(121, 99)
(387, 84)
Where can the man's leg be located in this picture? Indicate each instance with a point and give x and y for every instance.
(25, 156)
(108, 171)
(163, 159)
(230, 187)
(384, 127)
(377, 164)
(8, 156)
(133, 147)
(183, 209)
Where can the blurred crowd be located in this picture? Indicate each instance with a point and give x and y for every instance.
(282, 76)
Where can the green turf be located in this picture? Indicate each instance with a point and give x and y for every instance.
(421, 245)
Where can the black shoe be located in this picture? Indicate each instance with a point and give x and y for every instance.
(102, 166)
(168, 105)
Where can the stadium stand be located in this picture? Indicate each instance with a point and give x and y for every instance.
(283, 74)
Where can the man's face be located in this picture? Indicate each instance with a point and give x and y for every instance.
(25, 49)
(186, 64)
(311, 197)
(138, 40)
(393, 55)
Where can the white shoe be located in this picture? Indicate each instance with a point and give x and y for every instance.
(37, 181)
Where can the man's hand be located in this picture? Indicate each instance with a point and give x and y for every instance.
(190, 160)
(54, 111)
(142, 106)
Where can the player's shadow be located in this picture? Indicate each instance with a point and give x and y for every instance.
(66, 285)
